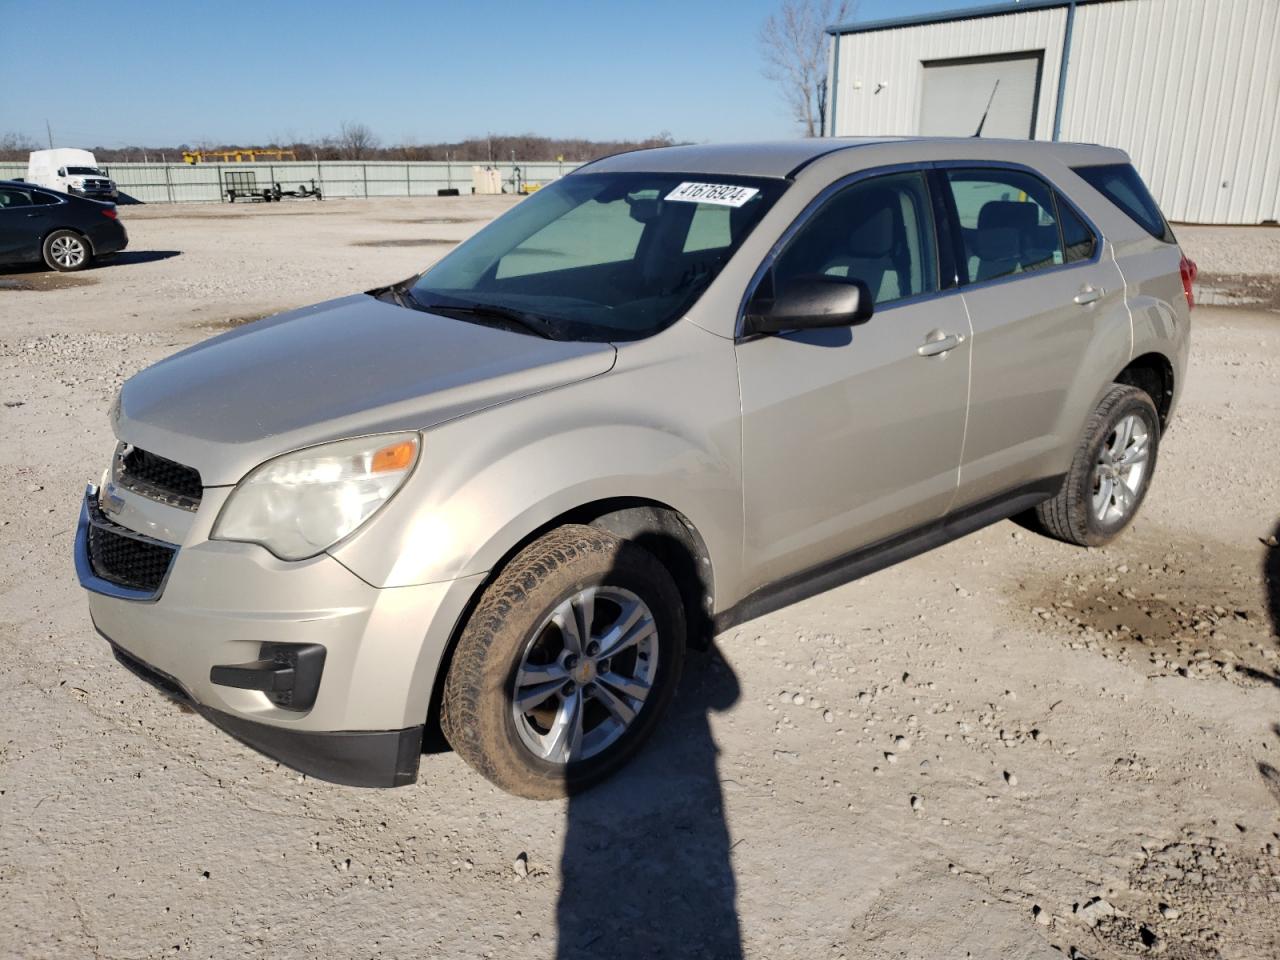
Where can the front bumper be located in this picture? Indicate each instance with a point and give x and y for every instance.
(222, 602)
(357, 758)
(96, 194)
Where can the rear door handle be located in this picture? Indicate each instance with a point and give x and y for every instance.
(1088, 295)
(939, 343)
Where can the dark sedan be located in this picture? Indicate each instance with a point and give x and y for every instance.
(65, 232)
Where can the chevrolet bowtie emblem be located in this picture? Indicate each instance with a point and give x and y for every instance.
(109, 501)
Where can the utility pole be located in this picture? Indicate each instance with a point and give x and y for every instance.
(49, 131)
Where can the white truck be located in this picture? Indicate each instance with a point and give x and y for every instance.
(70, 171)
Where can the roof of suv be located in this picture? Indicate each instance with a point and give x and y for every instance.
(784, 158)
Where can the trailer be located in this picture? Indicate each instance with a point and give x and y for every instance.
(243, 185)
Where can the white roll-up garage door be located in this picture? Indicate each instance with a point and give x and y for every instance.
(955, 95)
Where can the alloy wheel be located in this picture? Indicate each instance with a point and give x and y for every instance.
(1121, 469)
(585, 674)
(67, 251)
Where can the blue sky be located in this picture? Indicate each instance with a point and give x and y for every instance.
(246, 73)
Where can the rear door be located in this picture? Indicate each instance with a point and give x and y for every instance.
(853, 434)
(1038, 291)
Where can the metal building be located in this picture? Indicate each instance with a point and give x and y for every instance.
(1190, 88)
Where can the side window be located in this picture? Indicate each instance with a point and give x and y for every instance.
(9, 197)
(1120, 184)
(1077, 239)
(879, 231)
(591, 234)
(1008, 223)
(43, 199)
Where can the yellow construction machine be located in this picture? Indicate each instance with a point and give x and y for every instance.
(249, 154)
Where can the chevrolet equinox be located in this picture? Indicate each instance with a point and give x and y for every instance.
(669, 392)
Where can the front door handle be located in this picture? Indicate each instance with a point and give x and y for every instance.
(939, 343)
(1088, 295)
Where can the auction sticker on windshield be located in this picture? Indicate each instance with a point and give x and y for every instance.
(724, 194)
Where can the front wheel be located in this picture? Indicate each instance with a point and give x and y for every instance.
(66, 251)
(565, 666)
(1110, 473)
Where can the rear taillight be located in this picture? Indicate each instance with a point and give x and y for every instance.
(111, 212)
(1189, 272)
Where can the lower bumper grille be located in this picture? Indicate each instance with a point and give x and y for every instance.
(116, 560)
(144, 671)
(128, 562)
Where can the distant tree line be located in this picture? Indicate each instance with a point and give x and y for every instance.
(355, 141)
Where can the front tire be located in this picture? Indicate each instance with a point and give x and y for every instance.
(566, 665)
(66, 251)
(1111, 471)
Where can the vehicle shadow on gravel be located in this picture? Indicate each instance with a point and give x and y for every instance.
(129, 258)
(1271, 585)
(646, 870)
(1271, 579)
(37, 276)
(1271, 574)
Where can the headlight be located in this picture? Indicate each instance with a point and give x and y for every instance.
(302, 503)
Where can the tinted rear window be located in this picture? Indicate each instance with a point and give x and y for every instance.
(1120, 184)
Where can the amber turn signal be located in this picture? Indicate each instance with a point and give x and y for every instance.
(395, 457)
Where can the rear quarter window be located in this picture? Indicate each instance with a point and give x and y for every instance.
(1078, 240)
(1122, 185)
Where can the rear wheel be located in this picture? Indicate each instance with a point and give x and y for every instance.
(565, 666)
(1111, 472)
(66, 251)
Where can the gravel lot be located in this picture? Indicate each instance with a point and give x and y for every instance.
(1005, 748)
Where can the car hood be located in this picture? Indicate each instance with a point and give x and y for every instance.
(344, 368)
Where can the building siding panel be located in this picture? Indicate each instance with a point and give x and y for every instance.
(1190, 88)
(896, 56)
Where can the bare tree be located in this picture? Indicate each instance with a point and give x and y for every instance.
(356, 141)
(793, 43)
(16, 146)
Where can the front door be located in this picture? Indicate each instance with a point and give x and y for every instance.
(851, 435)
(19, 228)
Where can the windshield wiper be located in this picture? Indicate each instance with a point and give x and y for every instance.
(541, 326)
(398, 293)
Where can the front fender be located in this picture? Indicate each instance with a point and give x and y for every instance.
(662, 426)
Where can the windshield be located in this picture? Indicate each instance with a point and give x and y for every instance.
(605, 256)
(83, 172)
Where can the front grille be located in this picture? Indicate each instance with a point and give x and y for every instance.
(156, 478)
(127, 559)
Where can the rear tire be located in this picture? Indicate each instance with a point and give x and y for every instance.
(66, 251)
(1111, 471)
(595, 688)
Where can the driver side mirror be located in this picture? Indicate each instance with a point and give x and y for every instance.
(62, 171)
(809, 303)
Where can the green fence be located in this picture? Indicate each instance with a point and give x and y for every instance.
(206, 182)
